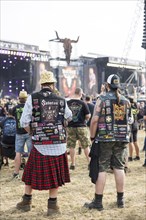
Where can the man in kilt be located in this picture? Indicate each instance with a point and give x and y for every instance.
(44, 117)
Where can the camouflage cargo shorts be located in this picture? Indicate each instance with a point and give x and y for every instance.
(78, 133)
(112, 155)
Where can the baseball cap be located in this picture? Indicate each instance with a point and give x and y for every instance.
(114, 81)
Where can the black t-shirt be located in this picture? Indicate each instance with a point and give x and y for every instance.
(91, 109)
(8, 105)
(17, 112)
(79, 110)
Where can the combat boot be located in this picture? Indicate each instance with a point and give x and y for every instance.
(25, 204)
(120, 203)
(53, 207)
(95, 204)
(120, 200)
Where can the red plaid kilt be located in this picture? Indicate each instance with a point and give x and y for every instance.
(46, 172)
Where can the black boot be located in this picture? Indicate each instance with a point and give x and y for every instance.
(25, 204)
(53, 207)
(96, 203)
(120, 200)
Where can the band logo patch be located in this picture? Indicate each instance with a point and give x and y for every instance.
(119, 111)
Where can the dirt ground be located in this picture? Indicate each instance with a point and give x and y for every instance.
(72, 196)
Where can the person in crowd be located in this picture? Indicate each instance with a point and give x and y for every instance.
(8, 105)
(22, 137)
(3, 112)
(2, 116)
(144, 148)
(141, 114)
(43, 117)
(88, 101)
(77, 128)
(134, 131)
(110, 135)
(8, 127)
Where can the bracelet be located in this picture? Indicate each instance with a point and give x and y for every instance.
(92, 139)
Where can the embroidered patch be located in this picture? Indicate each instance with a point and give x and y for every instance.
(119, 112)
(108, 119)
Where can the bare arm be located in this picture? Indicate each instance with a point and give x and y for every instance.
(93, 126)
(95, 118)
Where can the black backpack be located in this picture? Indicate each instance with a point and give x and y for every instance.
(9, 131)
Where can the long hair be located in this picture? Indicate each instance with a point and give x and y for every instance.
(117, 93)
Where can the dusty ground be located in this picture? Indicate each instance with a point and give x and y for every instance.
(73, 195)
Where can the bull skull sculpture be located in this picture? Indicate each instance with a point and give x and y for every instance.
(66, 44)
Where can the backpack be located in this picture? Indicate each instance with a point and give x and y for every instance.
(9, 128)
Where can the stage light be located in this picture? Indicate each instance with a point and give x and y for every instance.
(22, 81)
(10, 81)
(10, 86)
(16, 88)
(4, 67)
(4, 61)
(10, 90)
(10, 61)
(6, 52)
(21, 58)
(15, 58)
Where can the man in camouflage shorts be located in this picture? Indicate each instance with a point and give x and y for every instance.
(112, 154)
(77, 128)
(109, 130)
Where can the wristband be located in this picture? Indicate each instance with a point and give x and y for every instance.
(92, 139)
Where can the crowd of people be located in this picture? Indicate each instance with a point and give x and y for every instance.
(45, 126)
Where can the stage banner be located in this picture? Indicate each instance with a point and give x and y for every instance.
(90, 80)
(69, 80)
(37, 67)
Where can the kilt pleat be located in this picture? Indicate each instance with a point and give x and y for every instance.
(46, 172)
